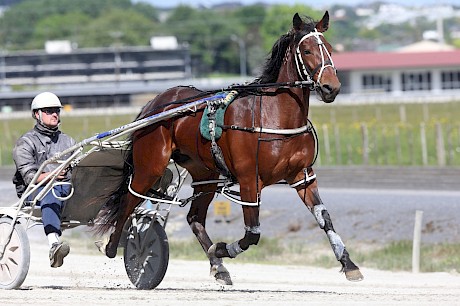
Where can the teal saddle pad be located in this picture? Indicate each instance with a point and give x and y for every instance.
(220, 112)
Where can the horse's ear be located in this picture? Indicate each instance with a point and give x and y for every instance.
(297, 22)
(323, 24)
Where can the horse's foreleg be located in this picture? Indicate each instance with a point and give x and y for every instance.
(312, 200)
(251, 237)
(252, 228)
(197, 221)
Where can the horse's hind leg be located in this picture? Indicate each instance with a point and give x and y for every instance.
(150, 159)
(197, 221)
(312, 200)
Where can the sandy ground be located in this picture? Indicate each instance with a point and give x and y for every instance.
(97, 280)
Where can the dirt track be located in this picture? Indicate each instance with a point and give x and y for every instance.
(97, 280)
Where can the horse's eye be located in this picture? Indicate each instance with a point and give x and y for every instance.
(307, 52)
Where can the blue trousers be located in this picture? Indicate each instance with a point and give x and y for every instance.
(51, 208)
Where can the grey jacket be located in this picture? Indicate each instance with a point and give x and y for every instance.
(32, 149)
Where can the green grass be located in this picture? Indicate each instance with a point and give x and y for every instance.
(269, 250)
(396, 256)
(394, 132)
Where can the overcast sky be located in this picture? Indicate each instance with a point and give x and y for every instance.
(316, 3)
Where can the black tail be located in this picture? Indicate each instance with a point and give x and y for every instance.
(110, 211)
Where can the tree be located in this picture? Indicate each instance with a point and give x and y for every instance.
(208, 34)
(118, 26)
(69, 26)
(250, 18)
(27, 24)
(147, 10)
(279, 20)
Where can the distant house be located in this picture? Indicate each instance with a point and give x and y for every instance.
(419, 69)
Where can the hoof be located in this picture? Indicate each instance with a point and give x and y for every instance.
(354, 275)
(110, 252)
(221, 275)
(223, 278)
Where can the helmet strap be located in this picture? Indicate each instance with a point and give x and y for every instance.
(39, 119)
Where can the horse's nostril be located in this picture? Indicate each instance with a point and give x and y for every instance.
(327, 88)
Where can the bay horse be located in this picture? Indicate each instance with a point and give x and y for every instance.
(255, 148)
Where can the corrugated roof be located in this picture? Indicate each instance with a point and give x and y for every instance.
(391, 60)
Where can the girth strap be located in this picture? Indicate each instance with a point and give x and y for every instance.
(216, 151)
(219, 160)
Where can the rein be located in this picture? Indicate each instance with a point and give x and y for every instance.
(238, 87)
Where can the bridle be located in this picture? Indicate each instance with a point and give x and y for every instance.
(326, 61)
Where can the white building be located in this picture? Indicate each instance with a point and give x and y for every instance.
(411, 72)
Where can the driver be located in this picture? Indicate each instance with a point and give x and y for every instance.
(33, 148)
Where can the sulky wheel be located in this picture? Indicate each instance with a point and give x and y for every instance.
(14, 264)
(146, 253)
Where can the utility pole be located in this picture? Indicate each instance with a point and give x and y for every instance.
(243, 57)
(3, 53)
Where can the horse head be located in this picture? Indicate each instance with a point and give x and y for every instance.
(313, 58)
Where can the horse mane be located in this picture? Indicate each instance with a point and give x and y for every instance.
(273, 63)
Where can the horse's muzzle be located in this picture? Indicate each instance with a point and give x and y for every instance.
(328, 92)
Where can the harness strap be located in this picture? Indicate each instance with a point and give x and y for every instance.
(326, 60)
(256, 129)
(307, 179)
(216, 151)
(131, 190)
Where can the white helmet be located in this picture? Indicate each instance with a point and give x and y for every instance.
(45, 99)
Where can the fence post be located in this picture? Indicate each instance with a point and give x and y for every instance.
(398, 145)
(333, 117)
(402, 113)
(416, 242)
(338, 148)
(375, 144)
(450, 146)
(7, 131)
(440, 150)
(426, 113)
(384, 145)
(411, 143)
(423, 144)
(327, 146)
(108, 122)
(85, 126)
(365, 143)
(378, 114)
